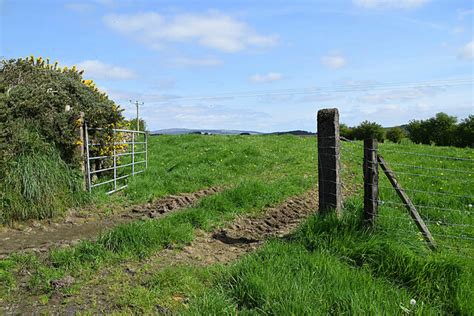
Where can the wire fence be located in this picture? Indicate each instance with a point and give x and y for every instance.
(440, 187)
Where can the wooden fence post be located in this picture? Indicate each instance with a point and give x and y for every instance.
(371, 181)
(329, 184)
(408, 204)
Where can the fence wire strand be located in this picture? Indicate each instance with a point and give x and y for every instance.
(450, 220)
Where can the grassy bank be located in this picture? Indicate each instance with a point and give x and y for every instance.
(39, 185)
(331, 266)
(188, 163)
(259, 182)
(339, 266)
(328, 266)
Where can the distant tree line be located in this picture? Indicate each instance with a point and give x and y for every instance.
(441, 130)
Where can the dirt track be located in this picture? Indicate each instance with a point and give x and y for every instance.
(246, 233)
(243, 235)
(76, 227)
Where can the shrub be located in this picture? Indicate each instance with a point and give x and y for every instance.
(367, 130)
(439, 130)
(395, 134)
(40, 105)
(346, 131)
(34, 91)
(464, 133)
(418, 132)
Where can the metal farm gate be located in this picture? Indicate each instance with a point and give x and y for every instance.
(111, 163)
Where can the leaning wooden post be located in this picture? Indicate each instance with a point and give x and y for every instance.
(371, 181)
(328, 161)
(408, 204)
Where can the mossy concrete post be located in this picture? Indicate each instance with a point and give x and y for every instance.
(329, 181)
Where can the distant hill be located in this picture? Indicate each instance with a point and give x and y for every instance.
(297, 133)
(181, 131)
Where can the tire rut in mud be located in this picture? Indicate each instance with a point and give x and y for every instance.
(75, 228)
(244, 235)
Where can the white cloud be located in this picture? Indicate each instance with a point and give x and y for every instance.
(467, 52)
(99, 70)
(269, 77)
(207, 61)
(390, 4)
(212, 29)
(333, 61)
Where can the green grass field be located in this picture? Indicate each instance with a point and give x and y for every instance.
(328, 265)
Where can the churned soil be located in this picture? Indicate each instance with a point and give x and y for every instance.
(244, 234)
(41, 236)
(222, 246)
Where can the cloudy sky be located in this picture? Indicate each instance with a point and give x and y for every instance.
(259, 65)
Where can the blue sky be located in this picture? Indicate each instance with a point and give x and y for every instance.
(259, 65)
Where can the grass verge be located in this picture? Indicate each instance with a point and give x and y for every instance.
(140, 239)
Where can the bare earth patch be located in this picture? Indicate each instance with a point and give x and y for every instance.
(43, 236)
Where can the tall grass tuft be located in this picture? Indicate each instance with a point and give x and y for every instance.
(39, 185)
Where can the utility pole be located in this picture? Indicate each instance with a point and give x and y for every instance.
(137, 104)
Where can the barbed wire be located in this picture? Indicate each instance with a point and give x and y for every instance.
(352, 161)
(429, 176)
(398, 229)
(428, 168)
(382, 202)
(432, 192)
(426, 155)
(436, 223)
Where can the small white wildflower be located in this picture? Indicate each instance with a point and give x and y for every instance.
(412, 302)
(470, 205)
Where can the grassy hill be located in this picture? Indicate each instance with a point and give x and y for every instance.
(328, 266)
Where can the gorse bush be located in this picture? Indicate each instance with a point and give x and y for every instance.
(51, 98)
(40, 106)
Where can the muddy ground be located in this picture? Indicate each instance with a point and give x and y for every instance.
(41, 236)
(243, 235)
